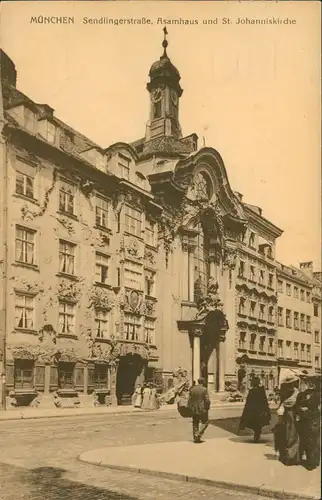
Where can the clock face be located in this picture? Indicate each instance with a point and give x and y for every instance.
(174, 97)
(156, 95)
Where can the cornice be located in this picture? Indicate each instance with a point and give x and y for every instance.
(262, 222)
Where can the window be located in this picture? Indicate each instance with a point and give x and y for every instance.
(280, 286)
(24, 311)
(132, 327)
(252, 341)
(302, 294)
(308, 296)
(66, 257)
(302, 326)
(29, 119)
(149, 331)
(308, 324)
(316, 310)
(288, 319)
(66, 375)
(271, 314)
(133, 275)
(157, 110)
(25, 245)
(101, 268)
(308, 354)
(67, 198)
(242, 340)
(289, 349)
(296, 350)
(25, 178)
(288, 289)
(251, 239)
(280, 316)
(100, 376)
(24, 374)
(66, 318)
(101, 323)
(241, 270)
(270, 346)
(133, 221)
(280, 351)
(271, 280)
(296, 292)
(252, 274)
(261, 312)
(202, 186)
(241, 308)
(317, 362)
(302, 352)
(201, 265)
(261, 278)
(296, 320)
(51, 132)
(252, 309)
(149, 283)
(262, 344)
(150, 233)
(101, 212)
(124, 166)
(316, 337)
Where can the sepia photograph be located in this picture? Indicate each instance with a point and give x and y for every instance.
(160, 250)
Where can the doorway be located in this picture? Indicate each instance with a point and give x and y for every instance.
(130, 368)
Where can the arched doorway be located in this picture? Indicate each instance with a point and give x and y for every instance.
(130, 368)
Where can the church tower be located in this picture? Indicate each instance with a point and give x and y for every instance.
(165, 91)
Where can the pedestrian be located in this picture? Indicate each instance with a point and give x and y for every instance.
(256, 413)
(137, 397)
(154, 402)
(308, 411)
(146, 394)
(199, 404)
(287, 441)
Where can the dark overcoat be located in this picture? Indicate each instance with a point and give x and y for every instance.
(256, 412)
(199, 402)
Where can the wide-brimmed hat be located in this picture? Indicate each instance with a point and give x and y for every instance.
(290, 379)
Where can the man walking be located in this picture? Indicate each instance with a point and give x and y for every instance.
(199, 404)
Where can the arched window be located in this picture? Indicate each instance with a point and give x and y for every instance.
(202, 186)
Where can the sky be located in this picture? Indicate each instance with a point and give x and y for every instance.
(250, 91)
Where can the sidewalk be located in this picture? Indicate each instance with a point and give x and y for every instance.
(36, 413)
(232, 462)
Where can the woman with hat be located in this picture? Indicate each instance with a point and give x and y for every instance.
(308, 410)
(286, 433)
(256, 412)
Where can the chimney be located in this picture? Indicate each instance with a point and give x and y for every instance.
(307, 268)
(8, 69)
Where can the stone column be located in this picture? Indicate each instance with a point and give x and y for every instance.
(196, 355)
(222, 365)
(85, 379)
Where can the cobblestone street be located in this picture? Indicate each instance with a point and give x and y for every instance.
(38, 458)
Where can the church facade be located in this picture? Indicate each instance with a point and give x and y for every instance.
(123, 263)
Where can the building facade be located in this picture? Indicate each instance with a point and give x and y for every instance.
(121, 263)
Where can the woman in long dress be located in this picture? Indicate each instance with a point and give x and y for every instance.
(146, 395)
(154, 403)
(137, 397)
(308, 410)
(287, 441)
(256, 412)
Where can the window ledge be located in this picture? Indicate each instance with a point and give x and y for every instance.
(242, 349)
(151, 297)
(151, 247)
(104, 340)
(67, 214)
(103, 285)
(68, 276)
(26, 198)
(126, 233)
(34, 267)
(103, 228)
(242, 315)
(26, 330)
(270, 354)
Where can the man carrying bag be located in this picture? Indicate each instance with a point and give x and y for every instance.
(199, 404)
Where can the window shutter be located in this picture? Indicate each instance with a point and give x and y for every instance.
(91, 382)
(53, 385)
(79, 378)
(40, 378)
(10, 374)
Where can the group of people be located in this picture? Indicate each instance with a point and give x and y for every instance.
(146, 397)
(297, 431)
